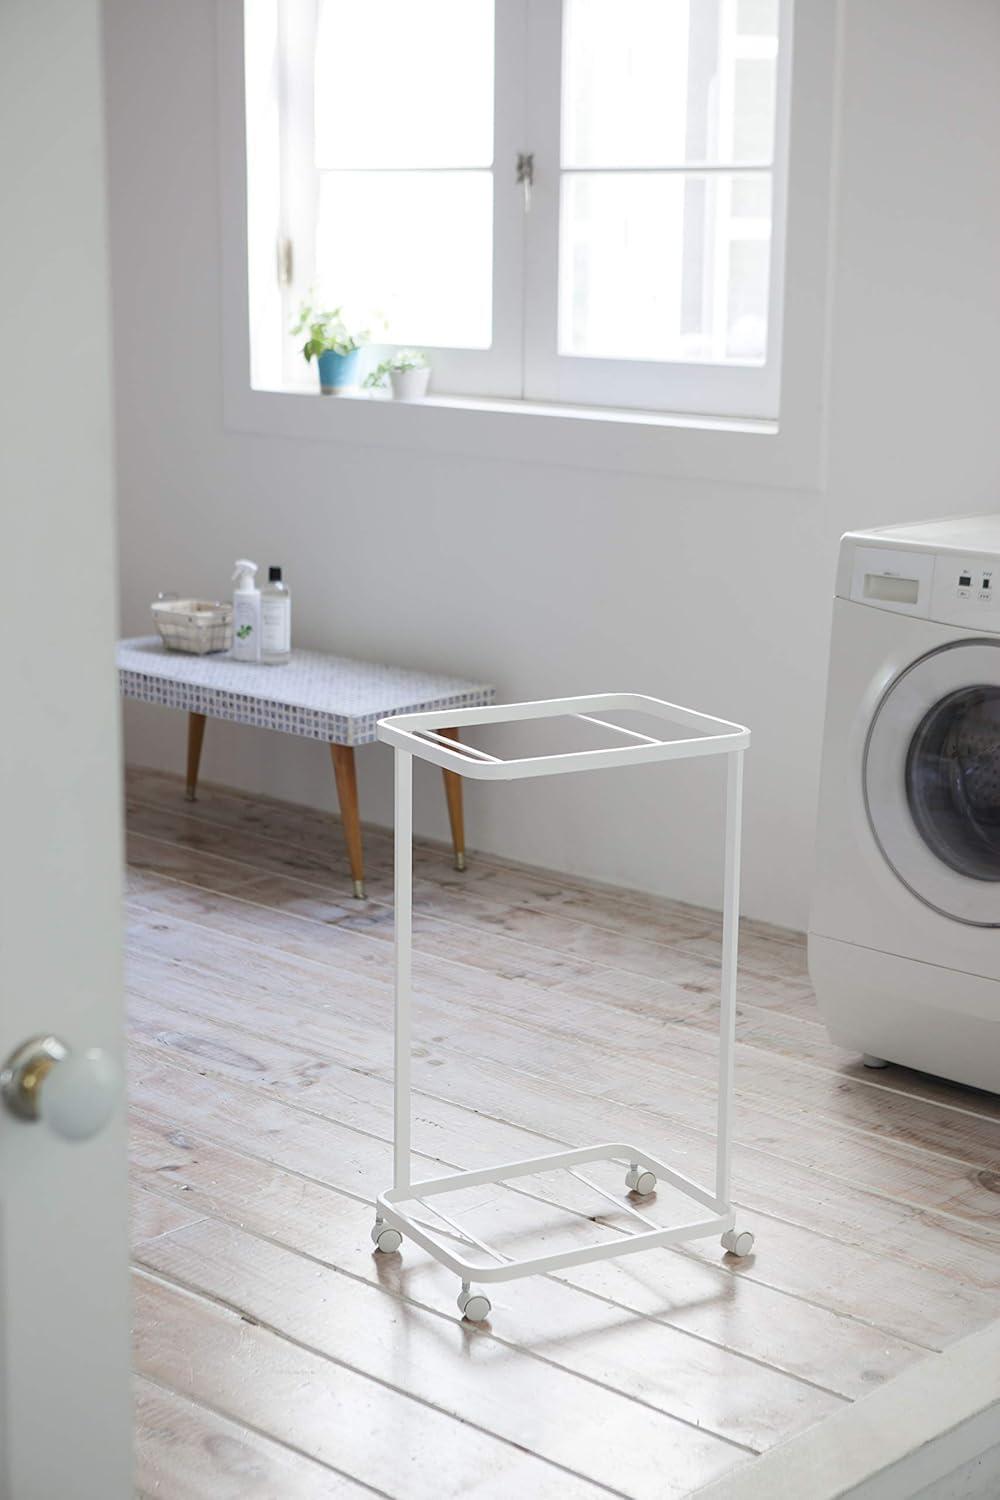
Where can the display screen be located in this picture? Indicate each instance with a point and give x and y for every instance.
(892, 589)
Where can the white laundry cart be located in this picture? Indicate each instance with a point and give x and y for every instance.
(420, 734)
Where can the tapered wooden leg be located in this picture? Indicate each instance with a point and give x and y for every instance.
(453, 793)
(347, 795)
(196, 734)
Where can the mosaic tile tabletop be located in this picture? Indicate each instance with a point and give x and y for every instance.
(322, 697)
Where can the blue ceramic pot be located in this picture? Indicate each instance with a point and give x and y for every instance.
(337, 372)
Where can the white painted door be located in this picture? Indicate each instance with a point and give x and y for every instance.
(64, 1358)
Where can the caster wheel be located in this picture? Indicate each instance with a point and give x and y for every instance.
(638, 1180)
(387, 1240)
(473, 1306)
(737, 1241)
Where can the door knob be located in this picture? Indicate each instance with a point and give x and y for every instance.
(75, 1093)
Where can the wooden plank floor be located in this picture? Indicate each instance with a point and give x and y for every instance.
(278, 1357)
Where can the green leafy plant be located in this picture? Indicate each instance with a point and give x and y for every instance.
(327, 330)
(403, 359)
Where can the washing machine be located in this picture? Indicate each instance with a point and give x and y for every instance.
(904, 933)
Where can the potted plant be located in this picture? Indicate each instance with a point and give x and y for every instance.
(408, 372)
(335, 346)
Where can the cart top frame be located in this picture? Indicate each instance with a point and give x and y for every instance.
(421, 734)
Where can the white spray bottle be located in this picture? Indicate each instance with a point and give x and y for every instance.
(246, 612)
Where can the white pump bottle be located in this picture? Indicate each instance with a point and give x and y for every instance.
(246, 612)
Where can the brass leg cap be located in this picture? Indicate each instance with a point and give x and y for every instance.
(460, 860)
(359, 890)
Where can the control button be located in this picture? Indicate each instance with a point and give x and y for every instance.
(965, 582)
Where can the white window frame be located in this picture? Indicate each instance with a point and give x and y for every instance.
(523, 360)
(496, 371)
(695, 387)
(788, 452)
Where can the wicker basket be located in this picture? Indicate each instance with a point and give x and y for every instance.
(194, 625)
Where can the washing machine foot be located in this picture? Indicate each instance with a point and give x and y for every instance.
(873, 1062)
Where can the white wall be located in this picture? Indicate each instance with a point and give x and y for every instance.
(554, 580)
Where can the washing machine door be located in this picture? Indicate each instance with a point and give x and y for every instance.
(932, 780)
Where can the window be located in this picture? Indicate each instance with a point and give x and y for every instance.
(576, 201)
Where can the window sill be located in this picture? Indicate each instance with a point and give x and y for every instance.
(668, 445)
(557, 409)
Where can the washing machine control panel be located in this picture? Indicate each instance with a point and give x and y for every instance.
(971, 580)
(947, 586)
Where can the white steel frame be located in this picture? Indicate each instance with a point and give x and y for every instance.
(419, 734)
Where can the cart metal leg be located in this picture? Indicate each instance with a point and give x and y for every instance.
(403, 897)
(387, 1237)
(733, 1240)
(727, 996)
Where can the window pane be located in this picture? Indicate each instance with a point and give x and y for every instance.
(757, 17)
(661, 82)
(412, 248)
(753, 109)
(665, 266)
(404, 83)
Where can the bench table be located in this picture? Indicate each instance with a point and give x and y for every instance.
(333, 699)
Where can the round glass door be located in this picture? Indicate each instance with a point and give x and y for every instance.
(953, 781)
(932, 780)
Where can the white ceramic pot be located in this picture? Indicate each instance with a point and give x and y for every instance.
(410, 385)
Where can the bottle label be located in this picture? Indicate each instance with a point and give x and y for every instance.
(245, 633)
(275, 626)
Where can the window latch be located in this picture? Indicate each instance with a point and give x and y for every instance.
(526, 176)
(285, 261)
